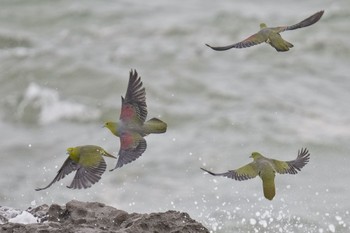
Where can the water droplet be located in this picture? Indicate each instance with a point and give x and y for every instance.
(252, 221)
(338, 218)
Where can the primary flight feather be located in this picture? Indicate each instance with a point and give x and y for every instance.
(266, 169)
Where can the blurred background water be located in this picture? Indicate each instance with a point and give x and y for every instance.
(65, 64)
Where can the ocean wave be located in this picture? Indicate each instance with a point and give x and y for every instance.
(44, 106)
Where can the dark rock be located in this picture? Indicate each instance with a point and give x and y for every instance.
(40, 212)
(170, 221)
(86, 217)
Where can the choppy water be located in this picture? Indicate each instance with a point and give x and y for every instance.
(64, 66)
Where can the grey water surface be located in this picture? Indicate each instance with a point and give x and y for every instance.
(65, 64)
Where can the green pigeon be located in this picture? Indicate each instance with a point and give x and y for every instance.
(131, 127)
(266, 169)
(271, 35)
(87, 161)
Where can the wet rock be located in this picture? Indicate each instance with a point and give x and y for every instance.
(40, 212)
(86, 217)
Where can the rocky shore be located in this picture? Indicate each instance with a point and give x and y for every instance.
(86, 217)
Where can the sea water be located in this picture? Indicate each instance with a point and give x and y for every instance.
(65, 64)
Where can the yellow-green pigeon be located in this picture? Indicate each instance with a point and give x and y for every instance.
(266, 169)
(131, 127)
(87, 161)
(271, 35)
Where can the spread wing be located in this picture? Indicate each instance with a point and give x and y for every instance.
(292, 167)
(132, 146)
(305, 23)
(246, 172)
(255, 39)
(88, 172)
(67, 167)
(134, 108)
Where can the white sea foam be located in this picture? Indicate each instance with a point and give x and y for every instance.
(49, 106)
(24, 218)
(7, 213)
(15, 216)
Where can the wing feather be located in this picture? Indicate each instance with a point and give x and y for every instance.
(305, 23)
(67, 167)
(88, 175)
(134, 108)
(246, 172)
(132, 146)
(293, 166)
(255, 39)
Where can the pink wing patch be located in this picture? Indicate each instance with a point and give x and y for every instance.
(127, 113)
(126, 141)
(132, 146)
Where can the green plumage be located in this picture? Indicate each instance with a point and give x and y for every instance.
(266, 169)
(87, 161)
(271, 35)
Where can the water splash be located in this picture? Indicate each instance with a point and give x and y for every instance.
(45, 106)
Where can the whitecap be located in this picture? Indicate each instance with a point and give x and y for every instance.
(46, 106)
